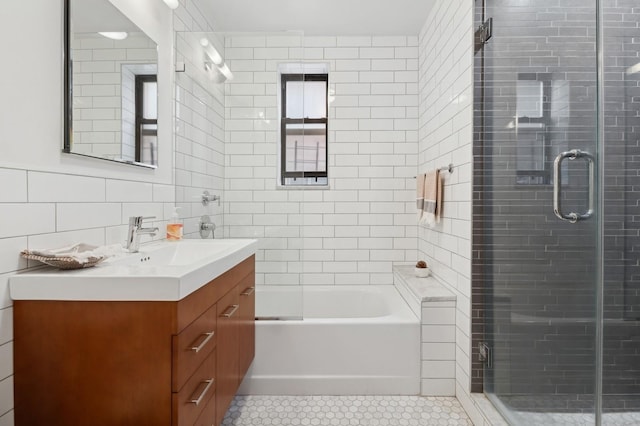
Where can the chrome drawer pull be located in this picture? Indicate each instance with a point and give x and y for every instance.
(248, 291)
(208, 337)
(230, 311)
(198, 400)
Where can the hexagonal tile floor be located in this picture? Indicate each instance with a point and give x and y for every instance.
(345, 411)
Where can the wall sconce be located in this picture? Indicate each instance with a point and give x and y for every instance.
(211, 51)
(212, 57)
(224, 70)
(173, 4)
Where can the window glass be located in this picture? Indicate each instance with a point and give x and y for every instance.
(306, 147)
(303, 153)
(306, 99)
(150, 100)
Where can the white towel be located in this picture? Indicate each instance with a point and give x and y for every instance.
(81, 252)
(432, 205)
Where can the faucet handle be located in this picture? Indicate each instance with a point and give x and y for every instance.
(137, 220)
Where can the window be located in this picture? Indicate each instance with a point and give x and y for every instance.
(541, 124)
(303, 129)
(147, 119)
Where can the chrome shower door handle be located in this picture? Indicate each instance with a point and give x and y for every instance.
(557, 185)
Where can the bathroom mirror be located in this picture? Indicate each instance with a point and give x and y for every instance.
(111, 90)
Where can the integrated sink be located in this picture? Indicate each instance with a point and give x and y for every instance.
(187, 254)
(181, 253)
(161, 271)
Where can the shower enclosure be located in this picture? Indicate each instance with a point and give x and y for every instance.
(556, 284)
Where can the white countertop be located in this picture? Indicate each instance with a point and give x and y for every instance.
(165, 271)
(425, 289)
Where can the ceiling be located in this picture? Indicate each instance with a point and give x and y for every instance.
(318, 17)
(98, 15)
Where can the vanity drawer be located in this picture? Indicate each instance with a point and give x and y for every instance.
(208, 415)
(198, 391)
(192, 346)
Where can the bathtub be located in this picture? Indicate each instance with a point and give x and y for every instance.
(353, 340)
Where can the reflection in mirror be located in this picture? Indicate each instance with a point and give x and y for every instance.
(112, 96)
(540, 124)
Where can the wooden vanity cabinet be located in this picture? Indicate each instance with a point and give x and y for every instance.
(227, 367)
(236, 334)
(247, 317)
(133, 363)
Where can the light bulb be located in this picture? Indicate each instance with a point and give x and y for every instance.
(114, 35)
(224, 70)
(173, 4)
(211, 51)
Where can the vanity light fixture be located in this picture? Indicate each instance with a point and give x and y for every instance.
(114, 35)
(212, 57)
(210, 51)
(224, 69)
(173, 4)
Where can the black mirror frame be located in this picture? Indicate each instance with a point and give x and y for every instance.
(67, 87)
(67, 109)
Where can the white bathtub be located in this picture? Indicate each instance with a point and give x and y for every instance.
(357, 340)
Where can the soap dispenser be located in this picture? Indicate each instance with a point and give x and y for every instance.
(174, 227)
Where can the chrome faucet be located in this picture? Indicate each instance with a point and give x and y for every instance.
(135, 230)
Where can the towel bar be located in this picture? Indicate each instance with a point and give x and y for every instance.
(448, 168)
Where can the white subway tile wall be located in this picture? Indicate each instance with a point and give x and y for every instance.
(79, 214)
(438, 319)
(354, 231)
(445, 136)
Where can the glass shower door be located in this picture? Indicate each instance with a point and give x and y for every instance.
(245, 67)
(536, 231)
(621, 295)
